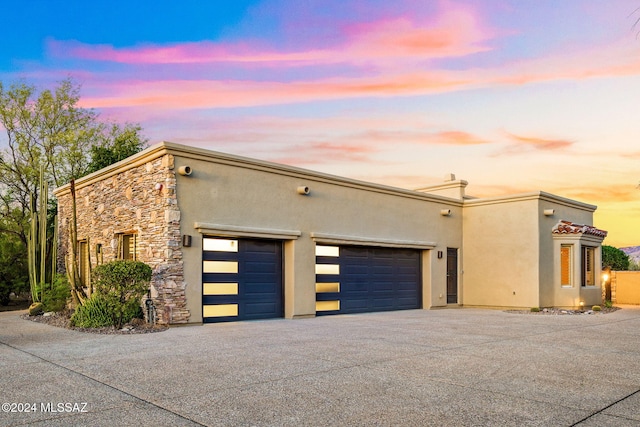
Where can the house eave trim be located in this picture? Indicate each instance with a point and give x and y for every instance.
(537, 195)
(335, 239)
(225, 230)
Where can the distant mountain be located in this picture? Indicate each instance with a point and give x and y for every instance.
(633, 252)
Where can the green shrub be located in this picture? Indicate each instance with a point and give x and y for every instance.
(535, 309)
(94, 313)
(122, 284)
(596, 308)
(55, 298)
(608, 304)
(132, 310)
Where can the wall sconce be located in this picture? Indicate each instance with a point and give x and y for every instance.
(186, 240)
(185, 170)
(549, 212)
(440, 254)
(445, 212)
(158, 187)
(304, 190)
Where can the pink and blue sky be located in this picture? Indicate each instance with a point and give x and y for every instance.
(510, 95)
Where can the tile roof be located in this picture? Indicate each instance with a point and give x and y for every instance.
(568, 227)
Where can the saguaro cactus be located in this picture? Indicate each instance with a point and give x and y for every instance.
(37, 241)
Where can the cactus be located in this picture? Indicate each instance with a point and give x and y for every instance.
(37, 242)
(71, 262)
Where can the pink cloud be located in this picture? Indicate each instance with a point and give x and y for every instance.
(321, 152)
(458, 138)
(455, 32)
(178, 94)
(541, 143)
(524, 144)
(185, 53)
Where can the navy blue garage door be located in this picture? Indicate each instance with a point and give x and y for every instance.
(241, 279)
(352, 279)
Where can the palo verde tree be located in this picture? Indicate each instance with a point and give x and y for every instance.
(47, 130)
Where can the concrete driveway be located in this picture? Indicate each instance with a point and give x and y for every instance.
(458, 367)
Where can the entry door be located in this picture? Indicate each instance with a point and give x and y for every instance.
(452, 276)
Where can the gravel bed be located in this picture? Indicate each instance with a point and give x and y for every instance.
(62, 320)
(552, 311)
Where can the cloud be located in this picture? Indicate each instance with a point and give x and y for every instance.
(454, 32)
(457, 138)
(323, 152)
(598, 194)
(525, 144)
(187, 94)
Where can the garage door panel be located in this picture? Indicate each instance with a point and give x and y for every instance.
(373, 279)
(354, 270)
(258, 280)
(354, 305)
(258, 310)
(219, 277)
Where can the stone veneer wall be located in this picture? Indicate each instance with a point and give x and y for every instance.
(132, 202)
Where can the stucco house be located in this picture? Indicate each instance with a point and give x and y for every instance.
(232, 238)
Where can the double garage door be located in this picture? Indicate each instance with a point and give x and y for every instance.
(353, 279)
(243, 279)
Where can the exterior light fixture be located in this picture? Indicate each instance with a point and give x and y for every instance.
(303, 190)
(581, 305)
(185, 170)
(549, 212)
(445, 212)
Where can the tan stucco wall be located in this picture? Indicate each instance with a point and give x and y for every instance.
(232, 195)
(511, 258)
(627, 287)
(552, 293)
(501, 253)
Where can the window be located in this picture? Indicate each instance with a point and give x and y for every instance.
(588, 266)
(565, 265)
(99, 254)
(127, 246)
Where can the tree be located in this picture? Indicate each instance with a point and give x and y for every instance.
(13, 267)
(614, 258)
(48, 130)
(124, 142)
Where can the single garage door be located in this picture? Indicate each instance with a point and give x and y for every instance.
(353, 279)
(241, 279)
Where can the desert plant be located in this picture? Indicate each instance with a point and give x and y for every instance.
(56, 298)
(122, 283)
(608, 304)
(535, 309)
(96, 312)
(37, 242)
(71, 261)
(596, 308)
(35, 309)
